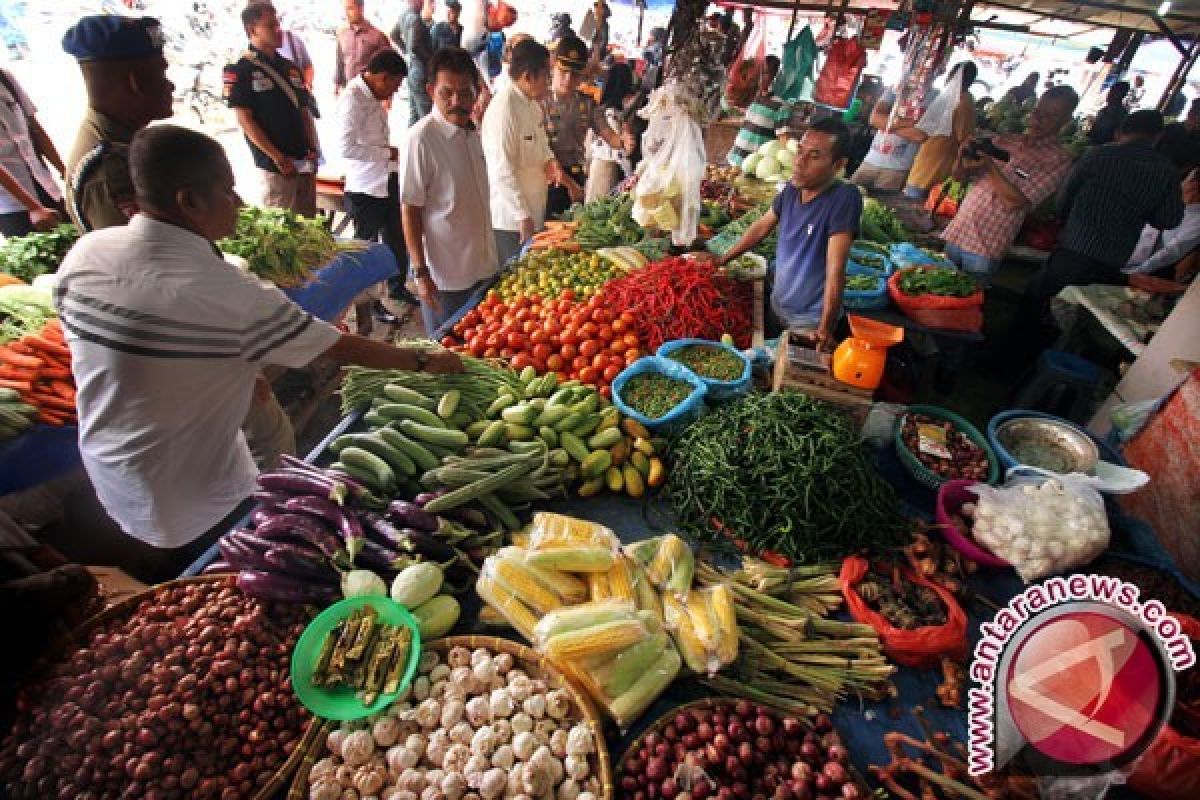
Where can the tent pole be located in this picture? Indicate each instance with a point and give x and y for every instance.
(792, 24)
(1181, 73)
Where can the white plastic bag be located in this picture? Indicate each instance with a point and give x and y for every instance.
(1042, 526)
(938, 119)
(474, 25)
(667, 196)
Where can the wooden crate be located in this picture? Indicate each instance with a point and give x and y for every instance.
(805, 370)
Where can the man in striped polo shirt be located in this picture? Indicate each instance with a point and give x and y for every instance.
(166, 340)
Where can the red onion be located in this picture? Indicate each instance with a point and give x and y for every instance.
(656, 769)
(764, 725)
(668, 789)
(835, 772)
(704, 731)
(838, 753)
(722, 742)
(850, 792)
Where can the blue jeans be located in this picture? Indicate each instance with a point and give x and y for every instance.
(451, 303)
(981, 268)
(915, 193)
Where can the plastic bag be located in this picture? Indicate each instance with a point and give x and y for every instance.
(683, 414)
(474, 25)
(667, 560)
(938, 119)
(839, 77)
(717, 389)
(922, 647)
(704, 624)
(746, 71)
(795, 79)
(568, 544)
(667, 196)
(1041, 526)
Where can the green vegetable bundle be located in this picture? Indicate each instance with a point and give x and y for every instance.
(479, 383)
(26, 257)
(917, 281)
(781, 473)
(880, 224)
(605, 222)
(724, 242)
(283, 247)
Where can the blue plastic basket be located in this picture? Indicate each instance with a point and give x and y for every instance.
(905, 254)
(861, 300)
(717, 389)
(856, 259)
(677, 418)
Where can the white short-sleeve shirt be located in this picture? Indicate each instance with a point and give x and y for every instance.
(166, 340)
(442, 171)
(17, 152)
(517, 149)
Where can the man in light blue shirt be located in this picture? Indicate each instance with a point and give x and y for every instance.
(1157, 250)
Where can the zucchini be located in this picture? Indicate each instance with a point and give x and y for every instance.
(521, 414)
(502, 401)
(461, 419)
(434, 435)
(475, 491)
(596, 464)
(401, 411)
(570, 421)
(496, 433)
(396, 393)
(552, 415)
(420, 455)
(518, 433)
(588, 426)
(574, 446)
(606, 438)
(359, 474)
(382, 475)
(397, 459)
(449, 404)
(374, 419)
(477, 429)
(549, 436)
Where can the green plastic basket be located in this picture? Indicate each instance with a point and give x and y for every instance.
(927, 477)
(343, 703)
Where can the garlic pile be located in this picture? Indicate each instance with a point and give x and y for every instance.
(1040, 530)
(474, 727)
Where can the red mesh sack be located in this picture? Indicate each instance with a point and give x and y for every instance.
(936, 311)
(839, 77)
(924, 647)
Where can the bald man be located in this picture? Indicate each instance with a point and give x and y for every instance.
(126, 78)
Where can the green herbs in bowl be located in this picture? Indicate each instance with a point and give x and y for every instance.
(655, 395)
(709, 361)
(863, 283)
(917, 281)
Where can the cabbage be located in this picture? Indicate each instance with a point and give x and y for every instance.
(793, 145)
(769, 149)
(750, 165)
(768, 170)
(785, 157)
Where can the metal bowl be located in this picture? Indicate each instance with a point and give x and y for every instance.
(1049, 444)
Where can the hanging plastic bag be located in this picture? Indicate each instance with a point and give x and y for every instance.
(746, 71)
(474, 25)
(923, 647)
(938, 119)
(795, 79)
(667, 196)
(839, 77)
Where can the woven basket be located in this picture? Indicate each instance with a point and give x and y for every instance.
(923, 474)
(710, 704)
(81, 633)
(536, 665)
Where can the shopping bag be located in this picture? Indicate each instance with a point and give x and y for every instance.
(667, 196)
(746, 70)
(795, 79)
(839, 77)
(938, 119)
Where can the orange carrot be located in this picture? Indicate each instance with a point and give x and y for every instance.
(51, 418)
(54, 372)
(51, 402)
(63, 389)
(10, 354)
(17, 373)
(20, 386)
(46, 346)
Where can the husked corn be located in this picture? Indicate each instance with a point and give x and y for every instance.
(598, 588)
(620, 579)
(595, 641)
(512, 576)
(679, 622)
(703, 621)
(517, 613)
(725, 614)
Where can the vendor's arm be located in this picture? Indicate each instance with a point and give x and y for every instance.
(1176, 247)
(906, 130)
(835, 284)
(880, 114)
(751, 238)
(255, 133)
(45, 146)
(42, 218)
(350, 348)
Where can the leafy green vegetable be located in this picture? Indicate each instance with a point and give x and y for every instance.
(23, 310)
(880, 224)
(863, 283)
(936, 280)
(26, 257)
(724, 242)
(281, 246)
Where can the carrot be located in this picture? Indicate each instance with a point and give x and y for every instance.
(51, 418)
(10, 354)
(52, 402)
(54, 333)
(54, 372)
(63, 389)
(17, 373)
(46, 346)
(20, 386)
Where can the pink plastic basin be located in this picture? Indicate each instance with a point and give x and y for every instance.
(950, 498)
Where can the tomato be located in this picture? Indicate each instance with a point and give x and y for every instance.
(561, 376)
(521, 361)
(568, 295)
(587, 330)
(589, 348)
(569, 351)
(493, 341)
(605, 333)
(628, 318)
(606, 392)
(611, 373)
(515, 340)
(601, 316)
(477, 349)
(633, 354)
(552, 327)
(619, 326)
(541, 352)
(570, 335)
(630, 361)
(554, 362)
(631, 340)
(538, 336)
(600, 360)
(491, 352)
(589, 375)
(579, 362)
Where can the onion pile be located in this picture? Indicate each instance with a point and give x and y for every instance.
(186, 697)
(967, 461)
(740, 751)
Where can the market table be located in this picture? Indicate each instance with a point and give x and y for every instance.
(1102, 301)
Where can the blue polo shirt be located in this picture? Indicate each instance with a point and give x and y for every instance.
(804, 232)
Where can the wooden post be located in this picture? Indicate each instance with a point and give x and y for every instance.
(1181, 73)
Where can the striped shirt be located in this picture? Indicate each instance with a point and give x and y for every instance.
(166, 340)
(1111, 194)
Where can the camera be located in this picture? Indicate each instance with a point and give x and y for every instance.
(980, 147)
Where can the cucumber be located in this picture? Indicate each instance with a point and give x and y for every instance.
(382, 476)
(562, 397)
(526, 448)
(433, 434)
(549, 436)
(640, 462)
(521, 414)
(475, 491)
(518, 433)
(365, 477)
(614, 479)
(588, 426)
(635, 483)
(396, 393)
(605, 438)
(401, 411)
(596, 464)
(495, 434)
(461, 419)
(449, 404)
(552, 415)
(588, 404)
(476, 429)
(534, 388)
(528, 374)
(395, 458)
(502, 401)
(573, 445)
(570, 421)
(559, 457)
(375, 420)
(420, 455)
(609, 418)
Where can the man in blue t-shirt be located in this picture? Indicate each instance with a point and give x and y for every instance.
(818, 216)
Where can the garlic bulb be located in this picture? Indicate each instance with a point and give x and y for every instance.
(484, 743)
(458, 657)
(544, 758)
(558, 743)
(420, 688)
(412, 780)
(324, 768)
(520, 688)
(543, 729)
(568, 790)
(396, 793)
(327, 788)
(344, 775)
(456, 758)
(580, 741)
(502, 704)
(386, 730)
(439, 673)
(454, 786)
(586, 796)
(463, 677)
(535, 706)
(452, 713)
(334, 740)
(357, 748)
(432, 793)
(558, 703)
(400, 758)
(494, 782)
(369, 780)
(429, 713)
(479, 711)
(462, 733)
(522, 723)
(434, 777)
(475, 767)
(536, 778)
(435, 751)
(503, 662)
(416, 742)
(429, 659)
(479, 655)
(504, 731)
(504, 757)
(576, 767)
(523, 745)
(483, 672)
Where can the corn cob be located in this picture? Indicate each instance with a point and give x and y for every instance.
(570, 590)
(630, 705)
(598, 586)
(703, 621)
(673, 565)
(643, 552)
(557, 530)
(512, 577)
(621, 578)
(725, 614)
(573, 559)
(578, 675)
(679, 622)
(584, 615)
(618, 674)
(517, 613)
(653, 623)
(648, 598)
(594, 641)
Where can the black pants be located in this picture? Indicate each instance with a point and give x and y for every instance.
(558, 199)
(18, 223)
(1065, 268)
(378, 218)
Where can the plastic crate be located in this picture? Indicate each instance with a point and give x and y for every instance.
(860, 255)
(860, 300)
(925, 476)
(691, 409)
(717, 389)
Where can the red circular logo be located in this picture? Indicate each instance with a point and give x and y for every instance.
(1085, 688)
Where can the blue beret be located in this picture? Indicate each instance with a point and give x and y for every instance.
(110, 37)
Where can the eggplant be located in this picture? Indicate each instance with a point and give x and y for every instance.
(283, 526)
(281, 589)
(471, 517)
(345, 521)
(267, 499)
(240, 554)
(293, 464)
(409, 541)
(411, 515)
(297, 482)
(301, 562)
(219, 568)
(374, 556)
(425, 498)
(263, 513)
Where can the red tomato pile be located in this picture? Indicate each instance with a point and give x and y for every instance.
(584, 341)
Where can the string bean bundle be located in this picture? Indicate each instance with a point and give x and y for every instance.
(781, 473)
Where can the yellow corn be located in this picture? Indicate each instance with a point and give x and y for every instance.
(573, 559)
(626, 708)
(620, 579)
(725, 615)
(702, 619)
(585, 615)
(579, 676)
(648, 598)
(618, 673)
(598, 640)
(559, 530)
(679, 622)
(520, 538)
(673, 566)
(598, 586)
(570, 590)
(512, 609)
(512, 576)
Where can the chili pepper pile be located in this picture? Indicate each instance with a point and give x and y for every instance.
(654, 395)
(781, 475)
(679, 298)
(710, 361)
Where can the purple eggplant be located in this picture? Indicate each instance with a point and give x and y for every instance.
(278, 588)
(411, 515)
(295, 481)
(345, 521)
(376, 557)
(304, 563)
(425, 498)
(409, 541)
(240, 554)
(302, 526)
(293, 464)
(471, 517)
(267, 499)
(219, 568)
(262, 514)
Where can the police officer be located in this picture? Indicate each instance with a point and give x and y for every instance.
(126, 78)
(275, 111)
(570, 114)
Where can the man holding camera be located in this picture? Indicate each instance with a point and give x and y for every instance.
(1009, 175)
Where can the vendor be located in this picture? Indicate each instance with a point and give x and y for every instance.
(1175, 253)
(125, 74)
(818, 217)
(166, 340)
(570, 114)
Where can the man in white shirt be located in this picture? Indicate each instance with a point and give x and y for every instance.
(1159, 250)
(372, 195)
(166, 340)
(29, 198)
(447, 220)
(520, 162)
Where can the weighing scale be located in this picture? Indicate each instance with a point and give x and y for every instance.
(860, 360)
